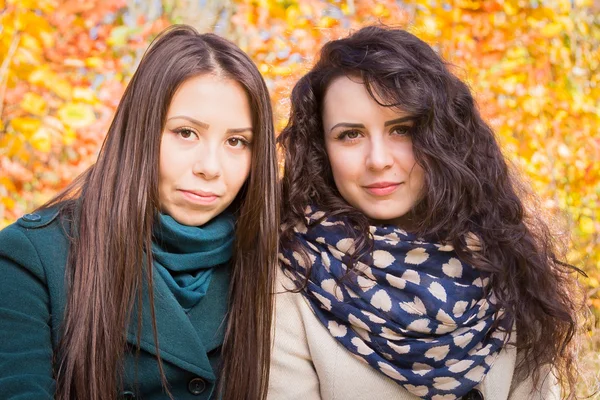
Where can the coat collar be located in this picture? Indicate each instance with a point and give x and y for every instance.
(184, 339)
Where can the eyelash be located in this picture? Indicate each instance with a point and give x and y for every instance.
(344, 135)
(179, 131)
(242, 140)
(403, 131)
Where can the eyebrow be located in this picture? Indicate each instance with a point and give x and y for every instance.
(386, 124)
(399, 120)
(346, 125)
(204, 125)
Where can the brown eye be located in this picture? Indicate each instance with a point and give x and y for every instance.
(237, 142)
(401, 130)
(186, 133)
(349, 135)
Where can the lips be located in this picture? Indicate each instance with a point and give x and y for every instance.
(199, 196)
(382, 188)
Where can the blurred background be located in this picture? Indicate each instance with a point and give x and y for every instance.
(533, 65)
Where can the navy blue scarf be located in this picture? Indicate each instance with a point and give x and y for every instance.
(185, 256)
(414, 312)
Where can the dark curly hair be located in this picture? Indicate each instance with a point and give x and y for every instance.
(469, 188)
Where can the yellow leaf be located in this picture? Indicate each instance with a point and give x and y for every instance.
(7, 202)
(511, 7)
(119, 36)
(563, 151)
(25, 21)
(41, 140)
(381, 11)
(41, 76)
(34, 103)
(69, 137)
(469, 4)
(348, 8)
(76, 115)
(430, 26)
(30, 42)
(47, 38)
(327, 22)
(43, 5)
(10, 145)
(292, 14)
(26, 125)
(61, 87)
(551, 30)
(8, 184)
(93, 62)
(27, 56)
(282, 70)
(84, 94)
(586, 224)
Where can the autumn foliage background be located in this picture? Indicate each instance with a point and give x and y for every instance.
(533, 65)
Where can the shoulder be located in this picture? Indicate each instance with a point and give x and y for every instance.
(295, 319)
(33, 239)
(39, 219)
(292, 310)
(37, 227)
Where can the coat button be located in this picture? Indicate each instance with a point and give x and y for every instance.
(197, 386)
(32, 217)
(474, 394)
(127, 395)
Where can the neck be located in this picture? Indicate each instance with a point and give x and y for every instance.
(405, 222)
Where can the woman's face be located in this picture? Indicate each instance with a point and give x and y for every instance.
(205, 151)
(371, 153)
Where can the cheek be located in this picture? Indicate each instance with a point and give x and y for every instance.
(237, 171)
(170, 162)
(163, 162)
(417, 181)
(345, 168)
(335, 156)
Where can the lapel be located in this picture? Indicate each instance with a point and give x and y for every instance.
(184, 340)
(209, 315)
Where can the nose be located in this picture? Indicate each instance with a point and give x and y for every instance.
(379, 155)
(207, 163)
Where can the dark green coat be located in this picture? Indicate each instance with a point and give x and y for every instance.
(33, 254)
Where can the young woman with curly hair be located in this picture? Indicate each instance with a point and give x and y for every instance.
(412, 268)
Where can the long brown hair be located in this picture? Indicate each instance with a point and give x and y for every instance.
(113, 205)
(469, 187)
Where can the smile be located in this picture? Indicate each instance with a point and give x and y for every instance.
(382, 188)
(199, 197)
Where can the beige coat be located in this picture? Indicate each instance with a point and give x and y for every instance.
(307, 363)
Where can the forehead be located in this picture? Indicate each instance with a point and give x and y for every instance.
(347, 98)
(208, 95)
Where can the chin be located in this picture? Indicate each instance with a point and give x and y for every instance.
(187, 218)
(385, 218)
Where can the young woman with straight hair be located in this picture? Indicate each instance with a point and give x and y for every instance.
(150, 275)
(412, 268)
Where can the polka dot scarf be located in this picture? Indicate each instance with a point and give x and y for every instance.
(415, 312)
